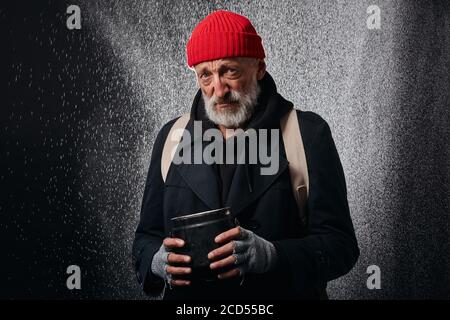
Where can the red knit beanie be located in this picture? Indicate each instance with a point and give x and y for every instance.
(223, 34)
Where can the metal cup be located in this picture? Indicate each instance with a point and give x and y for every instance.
(198, 231)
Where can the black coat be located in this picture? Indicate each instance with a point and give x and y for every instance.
(308, 256)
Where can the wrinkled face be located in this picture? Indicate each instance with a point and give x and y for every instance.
(230, 88)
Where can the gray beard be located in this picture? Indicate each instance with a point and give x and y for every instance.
(233, 117)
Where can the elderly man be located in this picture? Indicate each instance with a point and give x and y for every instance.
(272, 253)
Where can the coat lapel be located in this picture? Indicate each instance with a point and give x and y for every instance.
(247, 188)
(201, 178)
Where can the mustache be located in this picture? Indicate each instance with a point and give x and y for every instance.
(230, 97)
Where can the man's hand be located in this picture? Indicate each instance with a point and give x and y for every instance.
(163, 260)
(244, 249)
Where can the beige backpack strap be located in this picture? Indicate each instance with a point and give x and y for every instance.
(295, 153)
(171, 144)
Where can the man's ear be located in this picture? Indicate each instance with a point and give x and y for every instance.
(261, 69)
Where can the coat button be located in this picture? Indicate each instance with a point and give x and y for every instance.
(253, 224)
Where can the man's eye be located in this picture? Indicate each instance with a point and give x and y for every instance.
(231, 71)
(204, 75)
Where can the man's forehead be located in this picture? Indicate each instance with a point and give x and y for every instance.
(212, 64)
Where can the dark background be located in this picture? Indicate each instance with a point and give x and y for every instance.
(81, 109)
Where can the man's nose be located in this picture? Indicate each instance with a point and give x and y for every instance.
(221, 88)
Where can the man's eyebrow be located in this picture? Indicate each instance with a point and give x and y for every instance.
(233, 64)
(202, 69)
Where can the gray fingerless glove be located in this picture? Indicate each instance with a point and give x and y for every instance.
(160, 263)
(254, 254)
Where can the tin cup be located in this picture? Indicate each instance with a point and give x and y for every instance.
(198, 231)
